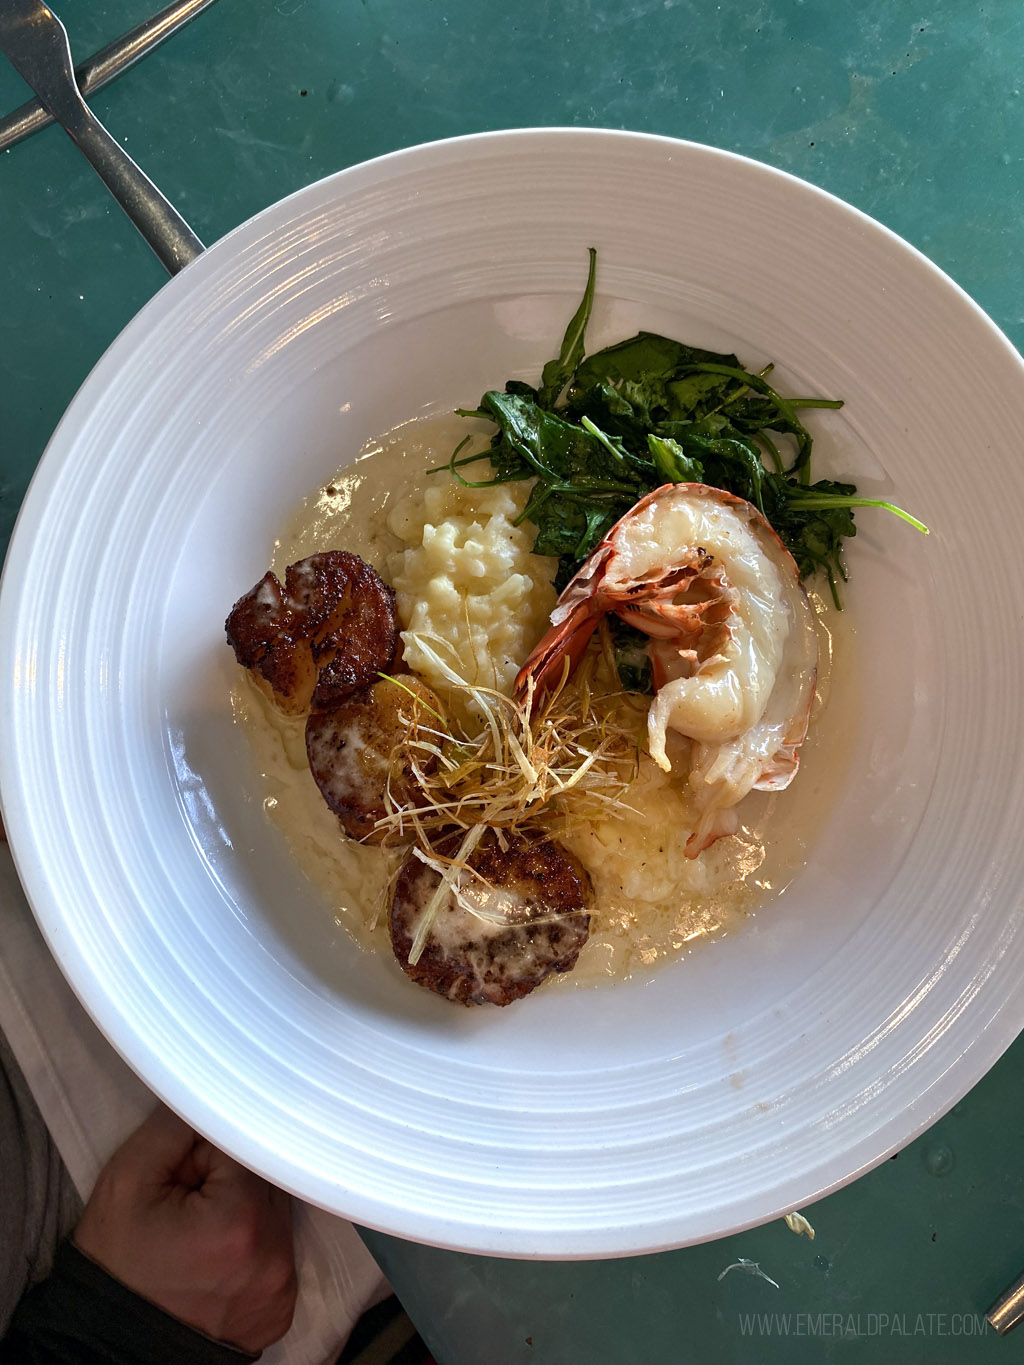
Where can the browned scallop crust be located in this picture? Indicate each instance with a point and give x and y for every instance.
(358, 751)
(472, 964)
(326, 633)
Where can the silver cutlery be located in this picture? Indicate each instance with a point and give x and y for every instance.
(105, 65)
(36, 43)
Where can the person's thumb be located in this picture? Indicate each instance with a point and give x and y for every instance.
(158, 1146)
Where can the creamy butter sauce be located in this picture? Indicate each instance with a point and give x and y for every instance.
(350, 511)
(653, 905)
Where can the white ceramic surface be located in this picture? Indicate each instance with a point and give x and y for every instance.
(715, 1094)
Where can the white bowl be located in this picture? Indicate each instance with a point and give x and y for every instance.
(770, 1067)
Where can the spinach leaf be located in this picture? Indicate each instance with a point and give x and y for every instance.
(560, 452)
(603, 430)
(557, 373)
(672, 462)
(632, 661)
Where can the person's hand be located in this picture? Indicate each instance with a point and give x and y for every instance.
(194, 1232)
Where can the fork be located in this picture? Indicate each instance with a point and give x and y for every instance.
(36, 43)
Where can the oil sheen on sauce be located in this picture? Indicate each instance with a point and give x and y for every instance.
(652, 905)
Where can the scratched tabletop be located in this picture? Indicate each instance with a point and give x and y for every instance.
(909, 110)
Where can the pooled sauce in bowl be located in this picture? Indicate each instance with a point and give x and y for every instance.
(455, 557)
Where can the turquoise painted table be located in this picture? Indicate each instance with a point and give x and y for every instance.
(911, 112)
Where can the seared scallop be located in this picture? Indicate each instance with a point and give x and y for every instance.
(515, 916)
(359, 751)
(325, 634)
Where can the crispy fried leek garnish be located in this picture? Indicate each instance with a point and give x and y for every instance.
(569, 754)
(449, 882)
(538, 764)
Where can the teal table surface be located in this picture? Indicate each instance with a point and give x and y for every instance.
(911, 112)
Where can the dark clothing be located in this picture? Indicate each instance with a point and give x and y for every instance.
(81, 1315)
(38, 1203)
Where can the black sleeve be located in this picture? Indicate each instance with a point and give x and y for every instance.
(83, 1316)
